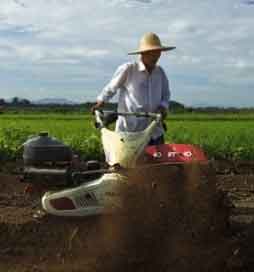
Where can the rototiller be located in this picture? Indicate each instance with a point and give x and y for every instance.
(77, 188)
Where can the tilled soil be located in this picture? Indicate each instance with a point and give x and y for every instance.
(173, 220)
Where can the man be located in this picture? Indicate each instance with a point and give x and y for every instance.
(143, 87)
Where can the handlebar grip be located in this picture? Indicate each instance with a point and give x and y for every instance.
(104, 117)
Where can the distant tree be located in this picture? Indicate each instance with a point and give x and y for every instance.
(2, 105)
(24, 102)
(15, 101)
(176, 106)
(2, 102)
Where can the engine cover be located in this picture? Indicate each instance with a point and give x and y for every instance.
(44, 149)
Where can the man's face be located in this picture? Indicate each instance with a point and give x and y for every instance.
(150, 58)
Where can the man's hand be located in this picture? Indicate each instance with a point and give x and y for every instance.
(163, 111)
(98, 105)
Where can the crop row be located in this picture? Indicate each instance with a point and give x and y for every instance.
(220, 138)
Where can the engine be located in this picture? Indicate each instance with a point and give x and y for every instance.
(50, 163)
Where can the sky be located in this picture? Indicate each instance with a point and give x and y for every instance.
(71, 48)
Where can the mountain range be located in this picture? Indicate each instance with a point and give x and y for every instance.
(58, 101)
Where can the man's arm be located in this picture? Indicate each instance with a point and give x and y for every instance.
(111, 88)
(165, 96)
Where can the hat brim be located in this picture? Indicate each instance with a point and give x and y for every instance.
(166, 48)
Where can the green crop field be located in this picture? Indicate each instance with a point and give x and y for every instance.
(228, 136)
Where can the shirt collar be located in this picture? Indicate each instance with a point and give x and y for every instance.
(142, 68)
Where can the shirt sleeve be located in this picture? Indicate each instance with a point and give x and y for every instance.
(116, 82)
(165, 97)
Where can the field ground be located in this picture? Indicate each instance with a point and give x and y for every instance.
(172, 221)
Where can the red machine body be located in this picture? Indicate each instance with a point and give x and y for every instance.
(175, 153)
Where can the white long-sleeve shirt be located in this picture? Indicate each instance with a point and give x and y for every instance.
(139, 91)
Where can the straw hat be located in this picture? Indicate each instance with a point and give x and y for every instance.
(149, 42)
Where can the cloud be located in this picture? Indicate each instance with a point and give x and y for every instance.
(142, 1)
(21, 4)
(250, 2)
(84, 41)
